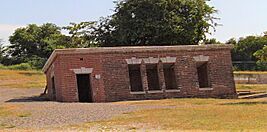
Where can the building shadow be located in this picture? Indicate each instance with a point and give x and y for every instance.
(28, 99)
(247, 103)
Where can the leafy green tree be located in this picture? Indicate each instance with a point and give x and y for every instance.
(246, 47)
(261, 55)
(156, 22)
(212, 41)
(82, 34)
(36, 42)
(1, 50)
(245, 51)
(231, 41)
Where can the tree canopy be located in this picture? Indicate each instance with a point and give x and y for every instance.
(156, 22)
(246, 47)
(1, 50)
(35, 42)
(249, 52)
(82, 34)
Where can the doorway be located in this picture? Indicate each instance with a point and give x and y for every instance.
(54, 95)
(84, 88)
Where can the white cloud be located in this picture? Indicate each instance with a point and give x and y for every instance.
(6, 30)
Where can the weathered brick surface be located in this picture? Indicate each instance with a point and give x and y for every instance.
(114, 83)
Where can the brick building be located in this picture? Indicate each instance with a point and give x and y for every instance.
(138, 73)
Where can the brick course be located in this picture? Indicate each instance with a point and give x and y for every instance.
(114, 83)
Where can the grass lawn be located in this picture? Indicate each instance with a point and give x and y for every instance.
(21, 79)
(251, 87)
(191, 115)
(250, 72)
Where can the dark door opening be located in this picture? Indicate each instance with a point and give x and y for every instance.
(84, 88)
(54, 95)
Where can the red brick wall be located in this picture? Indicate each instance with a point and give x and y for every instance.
(114, 82)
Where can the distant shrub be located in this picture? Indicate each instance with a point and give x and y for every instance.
(261, 65)
(22, 66)
(37, 62)
(2, 66)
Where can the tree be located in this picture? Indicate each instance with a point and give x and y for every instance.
(246, 47)
(156, 22)
(261, 55)
(231, 41)
(212, 41)
(82, 34)
(1, 50)
(36, 42)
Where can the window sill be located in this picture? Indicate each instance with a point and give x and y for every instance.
(156, 91)
(173, 91)
(138, 92)
(205, 89)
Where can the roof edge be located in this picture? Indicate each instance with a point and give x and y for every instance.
(131, 49)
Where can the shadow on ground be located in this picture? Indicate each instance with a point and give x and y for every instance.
(28, 99)
(246, 103)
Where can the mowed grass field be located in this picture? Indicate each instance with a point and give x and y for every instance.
(191, 115)
(180, 114)
(21, 79)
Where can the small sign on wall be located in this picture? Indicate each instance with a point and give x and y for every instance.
(97, 76)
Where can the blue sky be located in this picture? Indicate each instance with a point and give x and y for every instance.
(239, 17)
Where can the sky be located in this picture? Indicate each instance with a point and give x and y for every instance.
(239, 18)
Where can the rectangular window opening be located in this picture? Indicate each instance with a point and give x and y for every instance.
(152, 77)
(203, 79)
(135, 78)
(169, 76)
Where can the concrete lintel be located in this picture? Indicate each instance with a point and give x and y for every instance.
(133, 61)
(151, 60)
(168, 59)
(52, 74)
(201, 58)
(83, 70)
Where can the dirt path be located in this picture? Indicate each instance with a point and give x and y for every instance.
(45, 114)
(9, 94)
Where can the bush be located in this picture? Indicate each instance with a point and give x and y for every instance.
(37, 62)
(2, 66)
(261, 65)
(22, 66)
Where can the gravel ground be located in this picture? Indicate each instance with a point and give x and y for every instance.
(53, 114)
